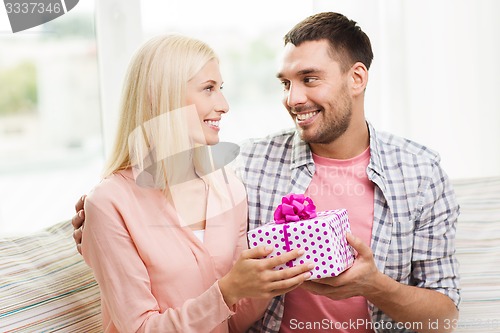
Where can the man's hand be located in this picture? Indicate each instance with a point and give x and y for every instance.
(356, 281)
(77, 221)
(403, 303)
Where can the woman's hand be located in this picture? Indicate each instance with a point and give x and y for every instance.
(254, 276)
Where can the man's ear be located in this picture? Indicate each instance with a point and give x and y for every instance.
(358, 77)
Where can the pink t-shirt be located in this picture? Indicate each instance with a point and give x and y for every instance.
(335, 184)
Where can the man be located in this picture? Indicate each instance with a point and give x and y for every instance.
(400, 202)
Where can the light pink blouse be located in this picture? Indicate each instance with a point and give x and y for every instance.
(155, 275)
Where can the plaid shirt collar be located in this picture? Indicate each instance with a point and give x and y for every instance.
(302, 155)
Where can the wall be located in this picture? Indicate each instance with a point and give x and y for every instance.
(436, 76)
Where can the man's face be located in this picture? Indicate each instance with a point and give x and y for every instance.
(315, 92)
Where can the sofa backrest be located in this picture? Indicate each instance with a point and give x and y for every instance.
(45, 286)
(478, 252)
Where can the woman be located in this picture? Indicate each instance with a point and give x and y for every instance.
(165, 232)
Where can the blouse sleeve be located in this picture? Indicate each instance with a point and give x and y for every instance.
(248, 310)
(125, 285)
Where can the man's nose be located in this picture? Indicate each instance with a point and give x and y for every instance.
(296, 95)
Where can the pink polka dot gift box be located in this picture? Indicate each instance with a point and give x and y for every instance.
(322, 236)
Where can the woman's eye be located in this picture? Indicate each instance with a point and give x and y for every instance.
(209, 88)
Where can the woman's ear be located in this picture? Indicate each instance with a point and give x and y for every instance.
(358, 78)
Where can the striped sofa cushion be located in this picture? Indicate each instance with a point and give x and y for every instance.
(45, 286)
(478, 252)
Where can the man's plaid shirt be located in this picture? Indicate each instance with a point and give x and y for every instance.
(415, 210)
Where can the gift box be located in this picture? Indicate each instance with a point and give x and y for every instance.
(321, 235)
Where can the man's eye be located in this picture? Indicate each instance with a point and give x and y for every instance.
(309, 79)
(285, 84)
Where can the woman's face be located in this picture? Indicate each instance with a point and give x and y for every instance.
(204, 91)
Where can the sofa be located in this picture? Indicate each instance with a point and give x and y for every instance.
(45, 286)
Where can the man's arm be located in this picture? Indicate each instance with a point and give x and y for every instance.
(77, 222)
(401, 302)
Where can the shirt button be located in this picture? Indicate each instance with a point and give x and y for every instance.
(273, 323)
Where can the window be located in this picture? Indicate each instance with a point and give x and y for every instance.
(50, 127)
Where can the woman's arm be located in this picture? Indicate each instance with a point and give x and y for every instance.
(126, 289)
(125, 285)
(248, 310)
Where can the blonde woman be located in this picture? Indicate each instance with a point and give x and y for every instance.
(165, 230)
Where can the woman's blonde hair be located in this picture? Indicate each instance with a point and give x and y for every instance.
(153, 126)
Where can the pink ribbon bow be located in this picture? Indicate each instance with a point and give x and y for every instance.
(293, 208)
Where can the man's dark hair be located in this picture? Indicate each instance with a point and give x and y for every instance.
(348, 43)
